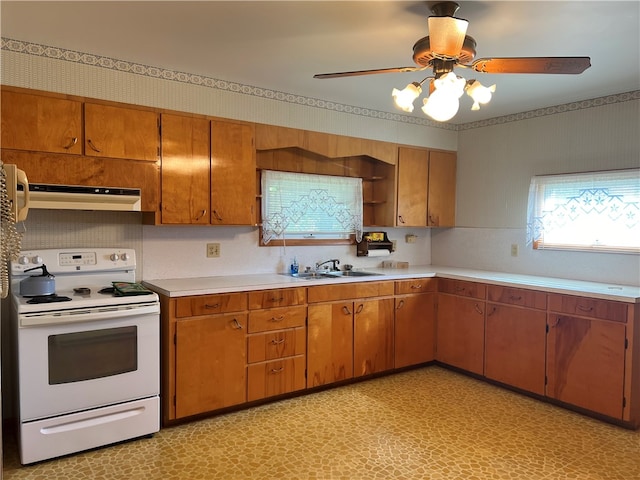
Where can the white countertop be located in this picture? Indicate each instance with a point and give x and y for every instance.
(181, 287)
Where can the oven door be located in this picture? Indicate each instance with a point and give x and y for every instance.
(68, 367)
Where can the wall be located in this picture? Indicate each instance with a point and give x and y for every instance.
(495, 162)
(495, 165)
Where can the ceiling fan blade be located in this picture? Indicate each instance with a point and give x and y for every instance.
(446, 35)
(565, 65)
(368, 72)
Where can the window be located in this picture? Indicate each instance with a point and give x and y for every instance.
(310, 207)
(596, 211)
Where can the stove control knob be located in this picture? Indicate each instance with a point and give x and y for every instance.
(114, 257)
(37, 259)
(125, 257)
(23, 260)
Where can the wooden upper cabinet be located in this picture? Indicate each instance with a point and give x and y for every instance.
(185, 190)
(413, 177)
(441, 203)
(118, 132)
(39, 123)
(233, 173)
(426, 188)
(273, 137)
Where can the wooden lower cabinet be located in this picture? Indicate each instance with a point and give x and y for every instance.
(586, 358)
(276, 342)
(460, 328)
(373, 322)
(349, 338)
(515, 340)
(210, 363)
(415, 322)
(329, 343)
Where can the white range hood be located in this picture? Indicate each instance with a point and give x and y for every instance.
(77, 197)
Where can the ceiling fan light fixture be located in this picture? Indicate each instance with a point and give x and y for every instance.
(479, 93)
(443, 103)
(404, 98)
(446, 35)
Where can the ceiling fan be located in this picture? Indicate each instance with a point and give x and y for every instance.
(448, 46)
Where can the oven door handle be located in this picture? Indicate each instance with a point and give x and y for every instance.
(91, 314)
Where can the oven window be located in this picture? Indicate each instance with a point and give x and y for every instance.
(74, 357)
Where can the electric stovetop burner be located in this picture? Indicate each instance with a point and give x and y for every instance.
(48, 299)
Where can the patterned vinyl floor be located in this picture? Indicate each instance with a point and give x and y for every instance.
(429, 423)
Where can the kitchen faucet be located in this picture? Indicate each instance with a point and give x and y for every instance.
(334, 267)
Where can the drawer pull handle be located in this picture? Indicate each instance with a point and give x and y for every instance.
(74, 140)
(277, 319)
(346, 311)
(236, 324)
(274, 299)
(211, 307)
(277, 370)
(360, 308)
(400, 218)
(416, 287)
(478, 309)
(218, 217)
(93, 147)
(202, 213)
(515, 298)
(277, 342)
(400, 304)
(584, 309)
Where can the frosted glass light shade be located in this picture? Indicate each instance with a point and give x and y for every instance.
(404, 98)
(479, 93)
(446, 35)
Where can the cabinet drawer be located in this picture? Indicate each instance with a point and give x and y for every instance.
(588, 307)
(517, 296)
(328, 293)
(416, 285)
(210, 304)
(277, 319)
(276, 298)
(275, 378)
(462, 288)
(273, 345)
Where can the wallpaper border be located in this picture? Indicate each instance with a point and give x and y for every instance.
(84, 58)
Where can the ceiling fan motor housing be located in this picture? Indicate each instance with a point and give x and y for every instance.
(422, 54)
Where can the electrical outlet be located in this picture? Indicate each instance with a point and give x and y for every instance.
(393, 245)
(213, 250)
(410, 238)
(514, 249)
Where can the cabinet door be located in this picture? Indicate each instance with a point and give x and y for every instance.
(233, 174)
(373, 336)
(442, 189)
(329, 343)
(210, 363)
(117, 132)
(460, 332)
(414, 329)
(38, 123)
(515, 347)
(585, 363)
(413, 175)
(185, 170)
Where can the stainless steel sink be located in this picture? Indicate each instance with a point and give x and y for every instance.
(328, 274)
(309, 275)
(352, 273)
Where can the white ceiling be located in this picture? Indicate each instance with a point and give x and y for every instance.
(281, 45)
